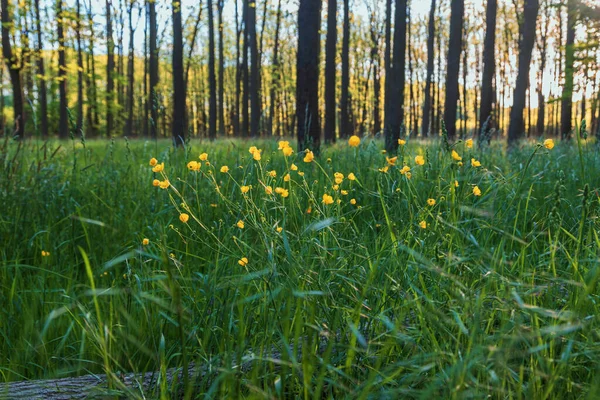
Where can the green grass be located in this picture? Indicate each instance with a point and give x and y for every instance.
(497, 297)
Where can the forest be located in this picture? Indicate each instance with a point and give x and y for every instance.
(316, 199)
(156, 69)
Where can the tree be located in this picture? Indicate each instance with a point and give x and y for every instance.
(395, 81)
(130, 71)
(63, 126)
(430, 61)
(489, 68)
(307, 75)
(330, 72)
(453, 67)
(345, 113)
(526, 42)
(542, 49)
(212, 80)
(179, 125)
(375, 61)
(276, 73)
(110, 70)
(153, 68)
(43, 96)
(255, 104)
(566, 117)
(221, 83)
(14, 70)
(79, 69)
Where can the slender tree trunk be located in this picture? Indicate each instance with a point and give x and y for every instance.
(330, 72)
(276, 73)
(464, 112)
(221, 83)
(527, 40)
(153, 67)
(255, 105)
(394, 97)
(375, 60)
(110, 71)
(130, 74)
(454, 50)
(212, 80)
(307, 79)
(411, 89)
(430, 61)
(43, 96)
(566, 119)
(79, 70)
(346, 128)
(63, 126)
(489, 69)
(179, 125)
(238, 74)
(245, 74)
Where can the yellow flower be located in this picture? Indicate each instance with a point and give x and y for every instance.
(243, 261)
(294, 167)
(301, 173)
(353, 201)
(158, 167)
(423, 224)
(469, 143)
(45, 253)
(475, 163)
(284, 193)
(351, 176)
(339, 178)
(153, 162)
(287, 178)
(279, 229)
(329, 159)
(392, 161)
(344, 192)
(309, 157)
(256, 155)
(455, 183)
(419, 160)
(268, 189)
(335, 187)
(224, 169)
(145, 242)
(283, 144)
(287, 151)
(405, 169)
(194, 166)
(252, 149)
(155, 183)
(183, 217)
(401, 142)
(408, 175)
(354, 141)
(203, 157)
(327, 199)
(164, 184)
(455, 156)
(549, 144)
(245, 189)
(477, 191)
(384, 169)
(273, 174)
(240, 224)
(431, 202)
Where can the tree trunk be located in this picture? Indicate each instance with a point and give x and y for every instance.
(276, 73)
(453, 68)
(43, 96)
(245, 74)
(153, 70)
(516, 125)
(179, 125)
(486, 122)
(375, 60)
(130, 74)
(63, 125)
(330, 72)
(79, 69)
(394, 96)
(430, 60)
(110, 70)
(212, 80)
(221, 83)
(566, 118)
(238, 75)
(307, 78)
(255, 105)
(346, 128)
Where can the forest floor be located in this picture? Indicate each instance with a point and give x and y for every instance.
(398, 280)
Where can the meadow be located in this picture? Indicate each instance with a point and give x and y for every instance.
(451, 271)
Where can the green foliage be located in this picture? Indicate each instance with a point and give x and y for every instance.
(496, 296)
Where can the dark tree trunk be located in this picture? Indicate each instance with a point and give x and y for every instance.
(179, 124)
(566, 118)
(221, 83)
(276, 73)
(542, 48)
(430, 61)
(394, 96)
(346, 128)
(245, 74)
(489, 69)
(153, 69)
(110, 70)
(63, 125)
(464, 111)
(43, 96)
(330, 72)
(453, 68)
(255, 105)
(307, 79)
(130, 74)
(79, 70)
(375, 60)
(212, 79)
(527, 40)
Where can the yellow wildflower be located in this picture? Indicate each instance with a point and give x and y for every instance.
(384, 169)
(477, 191)
(408, 175)
(158, 167)
(153, 162)
(339, 178)
(268, 189)
(45, 253)
(164, 184)
(283, 144)
(353, 201)
(351, 176)
(549, 144)
(392, 160)
(194, 166)
(183, 217)
(287, 178)
(240, 224)
(475, 163)
(294, 167)
(273, 174)
(203, 157)
(401, 142)
(455, 183)
(145, 242)
(155, 182)
(344, 192)
(224, 169)
(287, 151)
(256, 155)
(279, 229)
(300, 173)
(404, 169)
(354, 141)
(252, 149)
(309, 157)
(431, 202)
(419, 160)
(243, 261)
(455, 156)
(245, 189)
(469, 143)
(423, 224)
(335, 187)
(327, 199)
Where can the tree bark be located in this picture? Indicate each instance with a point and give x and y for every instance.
(130, 73)
(63, 125)
(307, 78)
(276, 73)
(110, 70)
(330, 72)
(527, 40)
(430, 61)
(153, 69)
(221, 78)
(566, 119)
(255, 105)
(212, 80)
(43, 95)
(486, 122)
(346, 128)
(376, 62)
(453, 67)
(179, 124)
